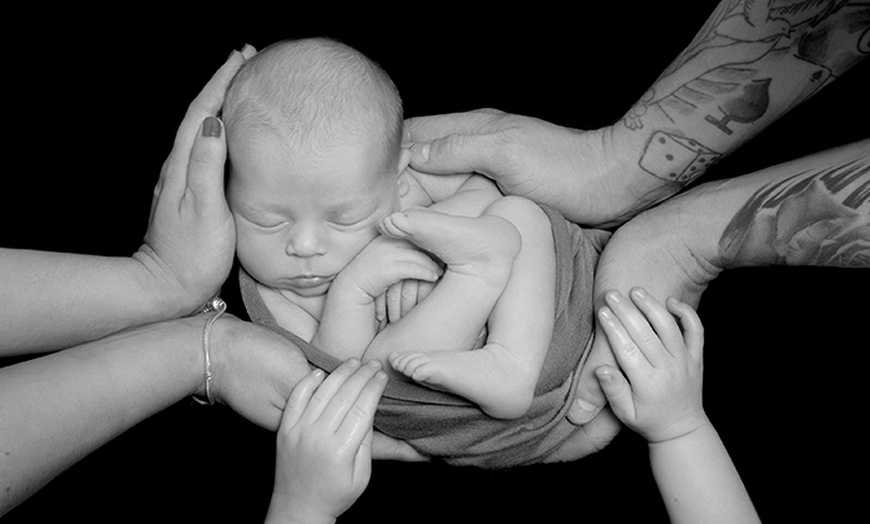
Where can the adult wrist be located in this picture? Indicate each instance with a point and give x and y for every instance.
(625, 187)
(162, 292)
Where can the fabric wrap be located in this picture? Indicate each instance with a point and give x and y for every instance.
(451, 428)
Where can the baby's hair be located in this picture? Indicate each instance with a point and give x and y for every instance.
(315, 93)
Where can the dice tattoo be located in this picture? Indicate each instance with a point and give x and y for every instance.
(675, 158)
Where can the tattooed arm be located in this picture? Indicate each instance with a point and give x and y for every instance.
(751, 63)
(814, 211)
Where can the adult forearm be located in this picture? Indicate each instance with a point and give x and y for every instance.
(56, 300)
(749, 65)
(814, 211)
(58, 408)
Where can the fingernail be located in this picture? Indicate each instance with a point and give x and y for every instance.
(211, 127)
(420, 152)
(639, 293)
(374, 364)
(606, 314)
(380, 376)
(613, 296)
(583, 405)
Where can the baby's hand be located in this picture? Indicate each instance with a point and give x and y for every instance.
(383, 263)
(324, 443)
(661, 399)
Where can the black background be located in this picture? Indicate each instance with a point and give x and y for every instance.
(91, 106)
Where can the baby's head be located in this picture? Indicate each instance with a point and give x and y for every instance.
(314, 130)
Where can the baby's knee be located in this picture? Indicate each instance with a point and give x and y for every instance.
(526, 215)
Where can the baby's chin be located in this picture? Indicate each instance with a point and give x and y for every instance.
(306, 287)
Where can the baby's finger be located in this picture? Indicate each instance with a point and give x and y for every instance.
(394, 302)
(628, 355)
(693, 329)
(660, 319)
(423, 290)
(380, 308)
(410, 289)
(618, 392)
(637, 327)
(299, 397)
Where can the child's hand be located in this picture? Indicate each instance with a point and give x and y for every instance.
(324, 443)
(661, 399)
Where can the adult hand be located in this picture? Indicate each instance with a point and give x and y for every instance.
(324, 443)
(564, 168)
(255, 370)
(589, 438)
(651, 251)
(191, 235)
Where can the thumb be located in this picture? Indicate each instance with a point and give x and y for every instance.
(617, 390)
(205, 170)
(457, 153)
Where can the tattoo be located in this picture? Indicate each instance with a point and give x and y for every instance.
(751, 62)
(816, 218)
(675, 158)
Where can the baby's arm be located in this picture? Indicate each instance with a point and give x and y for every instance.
(347, 324)
(661, 400)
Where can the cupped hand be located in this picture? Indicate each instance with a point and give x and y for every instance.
(324, 443)
(654, 251)
(191, 236)
(561, 167)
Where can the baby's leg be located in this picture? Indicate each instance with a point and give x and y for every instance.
(501, 377)
(478, 252)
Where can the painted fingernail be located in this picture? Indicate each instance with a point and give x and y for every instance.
(211, 127)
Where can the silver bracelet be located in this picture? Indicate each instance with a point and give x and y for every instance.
(218, 307)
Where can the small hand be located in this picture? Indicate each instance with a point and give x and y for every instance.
(659, 395)
(255, 370)
(325, 443)
(383, 263)
(400, 299)
(191, 236)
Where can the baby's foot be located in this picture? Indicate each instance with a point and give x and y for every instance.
(467, 245)
(490, 377)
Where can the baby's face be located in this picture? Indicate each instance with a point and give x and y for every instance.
(300, 218)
